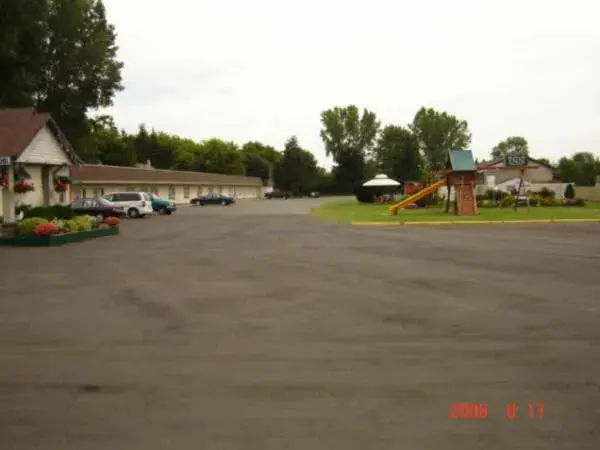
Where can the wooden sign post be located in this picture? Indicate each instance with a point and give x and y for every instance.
(518, 161)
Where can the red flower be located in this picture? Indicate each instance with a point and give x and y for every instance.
(112, 221)
(46, 229)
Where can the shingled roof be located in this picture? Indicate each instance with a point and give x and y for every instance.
(98, 173)
(18, 126)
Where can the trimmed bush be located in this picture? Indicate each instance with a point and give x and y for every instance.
(363, 194)
(570, 191)
(50, 212)
(28, 226)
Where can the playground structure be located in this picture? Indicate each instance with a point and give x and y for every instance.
(461, 174)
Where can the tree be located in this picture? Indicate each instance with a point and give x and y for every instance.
(60, 57)
(109, 145)
(349, 137)
(438, 133)
(581, 169)
(297, 171)
(260, 160)
(218, 156)
(512, 145)
(397, 153)
(23, 32)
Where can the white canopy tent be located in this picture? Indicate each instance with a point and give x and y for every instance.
(381, 180)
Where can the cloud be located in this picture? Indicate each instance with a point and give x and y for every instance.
(264, 70)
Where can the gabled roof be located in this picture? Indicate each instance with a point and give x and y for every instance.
(18, 126)
(461, 160)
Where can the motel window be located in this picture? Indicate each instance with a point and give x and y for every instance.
(130, 188)
(155, 190)
(198, 191)
(186, 192)
(83, 192)
(171, 192)
(98, 192)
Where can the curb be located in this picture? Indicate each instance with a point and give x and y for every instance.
(475, 222)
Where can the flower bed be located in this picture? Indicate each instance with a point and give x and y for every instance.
(40, 232)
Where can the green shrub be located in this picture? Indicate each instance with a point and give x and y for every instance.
(547, 193)
(578, 202)
(490, 194)
(50, 212)
(508, 201)
(569, 191)
(82, 223)
(363, 194)
(27, 226)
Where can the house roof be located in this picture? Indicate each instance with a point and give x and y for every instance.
(462, 160)
(489, 164)
(18, 126)
(98, 173)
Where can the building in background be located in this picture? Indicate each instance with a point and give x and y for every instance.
(94, 180)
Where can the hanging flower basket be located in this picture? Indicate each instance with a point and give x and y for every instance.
(23, 186)
(3, 178)
(62, 183)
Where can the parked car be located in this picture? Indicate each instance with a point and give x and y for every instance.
(97, 207)
(135, 204)
(277, 194)
(314, 194)
(162, 206)
(212, 199)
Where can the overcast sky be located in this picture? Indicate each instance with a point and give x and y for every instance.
(264, 69)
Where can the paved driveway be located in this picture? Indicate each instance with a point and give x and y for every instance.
(259, 327)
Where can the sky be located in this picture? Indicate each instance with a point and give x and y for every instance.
(265, 69)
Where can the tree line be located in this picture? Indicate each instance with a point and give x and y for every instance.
(60, 56)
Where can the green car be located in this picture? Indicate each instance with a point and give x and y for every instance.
(161, 205)
(212, 199)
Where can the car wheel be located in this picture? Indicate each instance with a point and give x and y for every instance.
(133, 213)
(167, 212)
(224, 203)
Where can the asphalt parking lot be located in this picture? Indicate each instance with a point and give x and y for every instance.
(258, 326)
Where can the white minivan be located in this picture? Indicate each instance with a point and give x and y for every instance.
(135, 204)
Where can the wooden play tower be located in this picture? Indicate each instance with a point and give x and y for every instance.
(461, 174)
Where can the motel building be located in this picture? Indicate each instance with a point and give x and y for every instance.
(90, 180)
(39, 167)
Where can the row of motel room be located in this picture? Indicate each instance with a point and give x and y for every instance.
(32, 148)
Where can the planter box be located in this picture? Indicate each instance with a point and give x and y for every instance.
(59, 239)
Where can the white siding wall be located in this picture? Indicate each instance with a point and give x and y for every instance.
(163, 190)
(44, 149)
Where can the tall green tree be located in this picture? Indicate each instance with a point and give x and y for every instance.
(397, 154)
(260, 160)
(297, 171)
(23, 47)
(349, 137)
(511, 145)
(218, 156)
(582, 169)
(111, 146)
(59, 56)
(438, 132)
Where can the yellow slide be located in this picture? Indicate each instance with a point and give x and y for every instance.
(416, 196)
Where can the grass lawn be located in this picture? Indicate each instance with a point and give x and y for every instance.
(352, 211)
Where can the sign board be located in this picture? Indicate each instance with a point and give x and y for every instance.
(516, 160)
(4, 160)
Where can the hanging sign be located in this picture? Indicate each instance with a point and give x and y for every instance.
(4, 160)
(516, 160)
